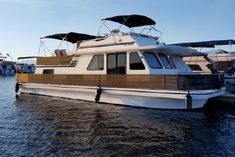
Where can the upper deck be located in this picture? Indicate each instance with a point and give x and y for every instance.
(117, 52)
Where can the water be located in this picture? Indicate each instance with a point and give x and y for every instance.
(47, 126)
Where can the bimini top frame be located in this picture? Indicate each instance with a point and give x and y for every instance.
(70, 37)
(209, 44)
(206, 44)
(131, 21)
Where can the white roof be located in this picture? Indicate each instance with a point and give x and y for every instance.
(132, 42)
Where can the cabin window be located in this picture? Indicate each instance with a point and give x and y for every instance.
(111, 63)
(97, 63)
(165, 61)
(48, 71)
(195, 67)
(152, 60)
(171, 61)
(116, 63)
(135, 62)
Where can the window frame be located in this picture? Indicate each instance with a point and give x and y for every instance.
(137, 63)
(99, 68)
(167, 59)
(156, 57)
(117, 70)
(48, 71)
(196, 67)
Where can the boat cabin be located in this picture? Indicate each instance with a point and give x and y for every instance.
(7, 67)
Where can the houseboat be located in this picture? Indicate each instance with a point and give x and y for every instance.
(225, 62)
(125, 68)
(25, 65)
(217, 60)
(7, 67)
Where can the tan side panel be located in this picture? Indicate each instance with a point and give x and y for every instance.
(57, 60)
(121, 81)
(171, 82)
(181, 82)
(22, 78)
(114, 81)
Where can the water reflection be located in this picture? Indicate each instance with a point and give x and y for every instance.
(48, 126)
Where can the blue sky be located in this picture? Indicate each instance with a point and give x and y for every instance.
(23, 22)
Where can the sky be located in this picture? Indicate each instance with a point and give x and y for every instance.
(23, 22)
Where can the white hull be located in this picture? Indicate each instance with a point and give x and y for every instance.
(161, 99)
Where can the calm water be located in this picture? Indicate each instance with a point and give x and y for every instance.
(46, 126)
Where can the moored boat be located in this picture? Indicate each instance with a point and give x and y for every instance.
(7, 67)
(216, 60)
(131, 68)
(25, 64)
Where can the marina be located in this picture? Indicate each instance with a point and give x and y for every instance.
(117, 78)
(10, 67)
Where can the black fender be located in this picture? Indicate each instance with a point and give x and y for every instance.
(98, 94)
(17, 87)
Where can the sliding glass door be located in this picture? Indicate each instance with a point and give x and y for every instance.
(116, 63)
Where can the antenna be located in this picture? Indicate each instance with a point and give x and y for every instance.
(230, 47)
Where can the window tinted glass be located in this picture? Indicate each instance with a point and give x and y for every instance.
(121, 59)
(111, 59)
(97, 63)
(135, 62)
(116, 63)
(121, 63)
(48, 71)
(165, 61)
(152, 60)
(195, 67)
(101, 62)
(172, 62)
